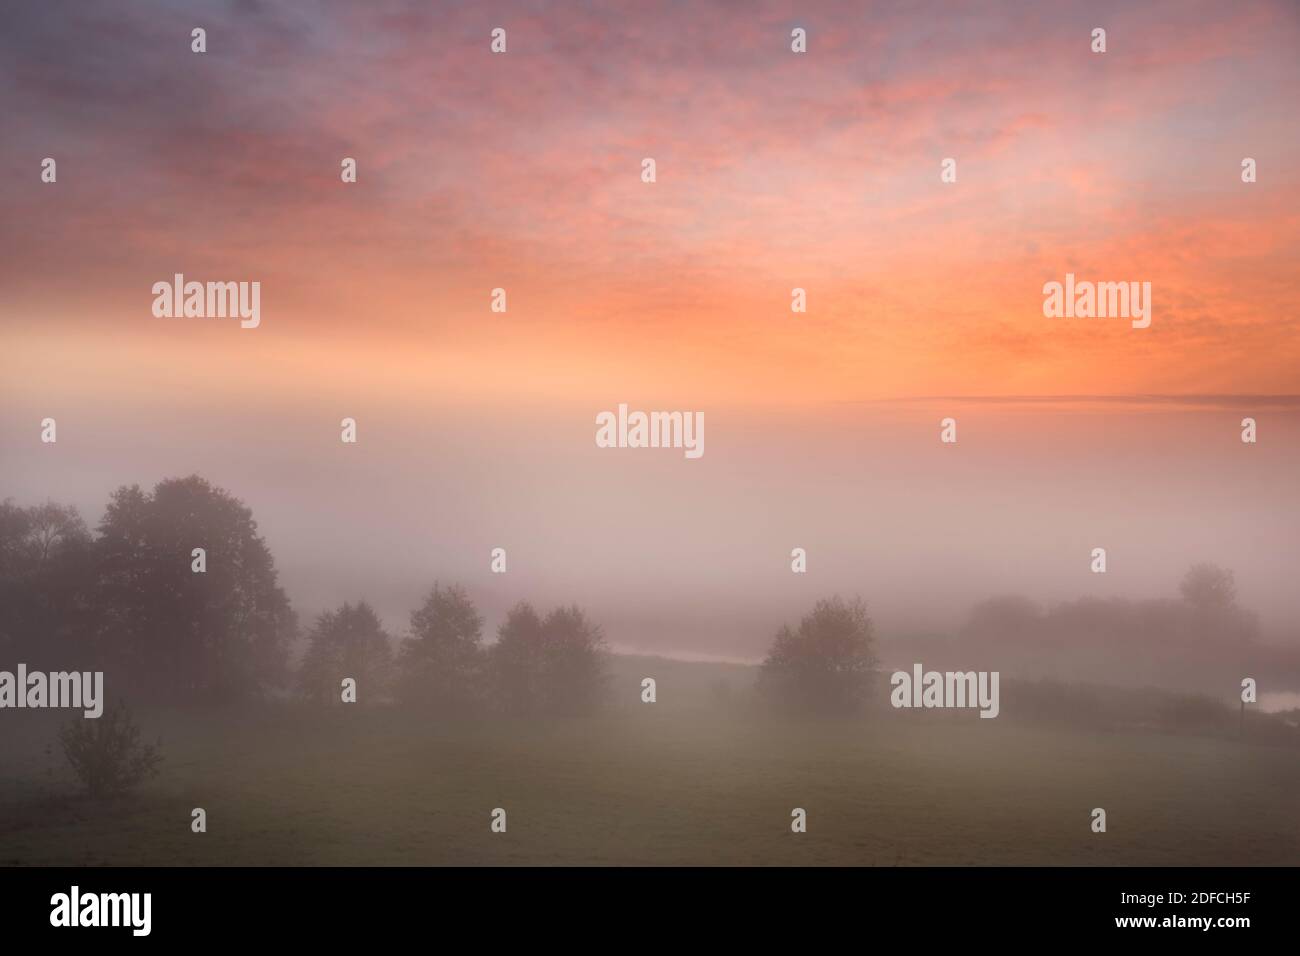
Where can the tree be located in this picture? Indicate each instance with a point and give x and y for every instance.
(1208, 587)
(218, 635)
(826, 666)
(349, 642)
(516, 661)
(53, 531)
(552, 666)
(573, 676)
(1210, 595)
(441, 662)
(45, 577)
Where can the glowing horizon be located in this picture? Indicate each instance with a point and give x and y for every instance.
(774, 171)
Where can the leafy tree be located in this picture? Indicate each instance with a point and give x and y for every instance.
(45, 575)
(54, 530)
(516, 661)
(827, 664)
(349, 642)
(106, 753)
(1210, 594)
(553, 665)
(573, 657)
(1208, 587)
(174, 633)
(441, 662)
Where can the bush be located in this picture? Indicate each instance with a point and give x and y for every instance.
(106, 753)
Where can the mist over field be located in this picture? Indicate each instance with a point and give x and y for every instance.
(692, 558)
(526, 689)
(956, 570)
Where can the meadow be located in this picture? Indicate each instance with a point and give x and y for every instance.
(704, 781)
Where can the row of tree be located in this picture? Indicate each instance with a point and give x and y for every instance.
(129, 600)
(538, 665)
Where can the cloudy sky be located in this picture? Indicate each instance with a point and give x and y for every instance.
(775, 170)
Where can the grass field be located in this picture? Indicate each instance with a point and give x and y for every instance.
(286, 785)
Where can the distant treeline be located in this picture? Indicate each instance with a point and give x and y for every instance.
(1200, 639)
(175, 598)
(1205, 613)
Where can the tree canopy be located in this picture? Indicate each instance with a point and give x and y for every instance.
(827, 664)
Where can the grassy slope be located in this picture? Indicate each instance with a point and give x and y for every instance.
(655, 784)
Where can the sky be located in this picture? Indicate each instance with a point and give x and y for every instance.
(774, 170)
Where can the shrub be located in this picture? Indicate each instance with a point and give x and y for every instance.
(106, 753)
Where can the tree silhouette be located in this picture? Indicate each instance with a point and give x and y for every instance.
(825, 666)
(46, 571)
(517, 661)
(1208, 587)
(554, 665)
(174, 633)
(573, 659)
(441, 663)
(349, 642)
